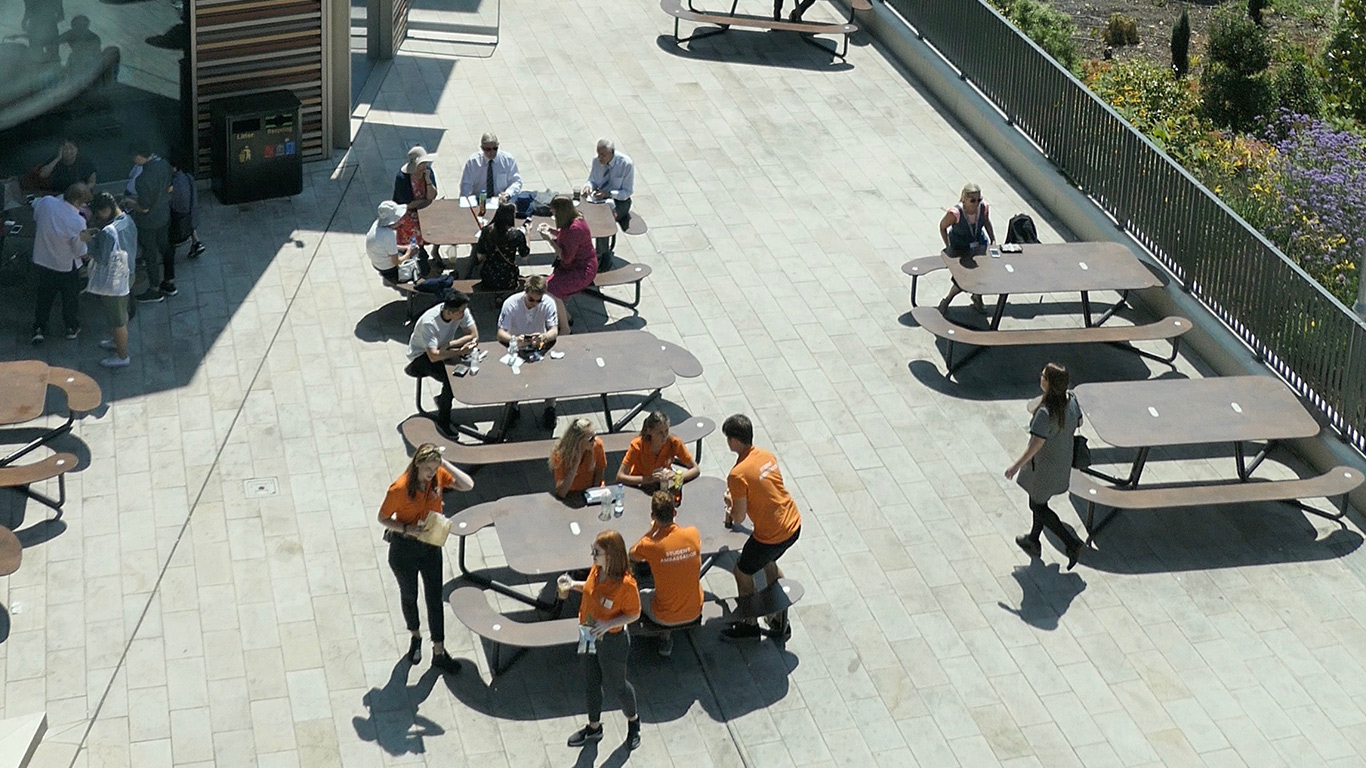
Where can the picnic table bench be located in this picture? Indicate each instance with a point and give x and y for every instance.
(417, 430)
(625, 274)
(11, 552)
(917, 268)
(23, 477)
(724, 21)
(1166, 329)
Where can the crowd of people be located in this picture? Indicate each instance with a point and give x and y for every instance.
(108, 238)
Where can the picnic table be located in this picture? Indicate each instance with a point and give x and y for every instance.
(593, 364)
(23, 397)
(1168, 412)
(447, 222)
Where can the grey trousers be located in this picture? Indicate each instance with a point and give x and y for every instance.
(606, 669)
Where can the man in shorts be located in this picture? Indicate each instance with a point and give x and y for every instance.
(675, 556)
(754, 489)
(113, 257)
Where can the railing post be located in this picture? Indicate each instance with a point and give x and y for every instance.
(1360, 306)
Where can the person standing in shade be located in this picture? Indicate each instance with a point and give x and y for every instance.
(1045, 468)
(966, 229)
(675, 557)
(150, 205)
(184, 207)
(754, 489)
(411, 498)
(611, 180)
(578, 459)
(68, 167)
(444, 332)
(113, 257)
(490, 171)
(575, 263)
(611, 600)
(650, 458)
(414, 188)
(59, 248)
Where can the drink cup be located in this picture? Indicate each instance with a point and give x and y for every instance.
(562, 585)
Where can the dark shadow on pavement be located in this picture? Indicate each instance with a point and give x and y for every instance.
(1046, 593)
(394, 723)
(766, 49)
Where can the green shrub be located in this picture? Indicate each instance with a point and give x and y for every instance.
(1345, 59)
(1181, 44)
(1156, 102)
(1120, 30)
(1297, 89)
(1050, 28)
(1231, 100)
(1238, 44)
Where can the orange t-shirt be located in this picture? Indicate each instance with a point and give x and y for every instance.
(584, 478)
(640, 463)
(408, 511)
(756, 478)
(675, 558)
(604, 601)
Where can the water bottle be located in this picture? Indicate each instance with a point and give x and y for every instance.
(474, 361)
(619, 500)
(512, 351)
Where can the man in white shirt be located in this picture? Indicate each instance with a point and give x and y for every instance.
(611, 180)
(534, 323)
(491, 172)
(59, 249)
(381, 242)
(444, 332)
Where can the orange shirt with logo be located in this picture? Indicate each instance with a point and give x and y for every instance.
(400, 507)
(675, 558)
(641, 463)
(756, 478)
(584, 477)
(606, 600)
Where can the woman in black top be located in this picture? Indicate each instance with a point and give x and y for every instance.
(500, 245)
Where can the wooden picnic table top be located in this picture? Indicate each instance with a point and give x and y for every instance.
(1052, 268)
(23, 390)
(1141, 414)
(593, 364)
(543, 535)
(444, 222)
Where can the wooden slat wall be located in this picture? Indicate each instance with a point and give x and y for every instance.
(251, 46)
(400, 23)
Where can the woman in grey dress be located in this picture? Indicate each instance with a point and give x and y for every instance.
(1045, 468)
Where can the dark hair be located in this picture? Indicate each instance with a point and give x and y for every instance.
(662, 506)
(180, 159)
(1055, 396)
(504, 218)
(653, 420)
(103, 201)
(738, 427)
(140, 148)
(67, 139)
(77, 194)
(455, 300)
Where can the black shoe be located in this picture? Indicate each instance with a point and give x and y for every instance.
(741, 631)
(633, 733)
(415, 651)
(780, 630)
(150, 296)
(168, 288)
(514, 416)
(72, 333)
(1031, 547)
(548, 418)
(1073, 554)
(196, 250)
(37, 338)
(445, 663)
(584, 735)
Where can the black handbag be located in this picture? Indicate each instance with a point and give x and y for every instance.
(1081, 452)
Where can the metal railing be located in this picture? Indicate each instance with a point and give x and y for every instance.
(1290, 321)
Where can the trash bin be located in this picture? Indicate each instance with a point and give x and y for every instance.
(256, 152)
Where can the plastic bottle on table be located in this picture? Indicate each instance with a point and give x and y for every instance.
(512, 351)
(619, 500)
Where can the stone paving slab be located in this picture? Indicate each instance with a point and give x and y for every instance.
(171, 619)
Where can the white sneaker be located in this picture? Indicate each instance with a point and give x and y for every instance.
(115, 362)
(107, 344)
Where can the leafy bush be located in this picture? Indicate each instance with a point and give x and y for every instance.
(1236, 92)
(1050, 28)
(1181, 44)
(1238, 44)
(1297, 89)
(1164, 107)
(1345, 59)
(1120, 30)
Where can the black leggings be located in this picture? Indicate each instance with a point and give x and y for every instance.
(1045, 517)
(607, 669)
(410, 558)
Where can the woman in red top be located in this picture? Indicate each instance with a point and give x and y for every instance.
(576, 261)
(611, 600)
(414, 495)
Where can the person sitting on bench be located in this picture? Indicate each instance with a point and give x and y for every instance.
(500, 245)
(578, 459)
(966, 229)
(611, 179)
(675, 557)
(533, 322)
(444, 332)
(650, 459)
(381, 242)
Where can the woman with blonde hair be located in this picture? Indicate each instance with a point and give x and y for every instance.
(578, 460)
(576, 261)
(411, 498)
(1045, 467)
(966, 228)
(611, 600)
(650, 459)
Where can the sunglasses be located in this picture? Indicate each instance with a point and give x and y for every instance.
(595, 552)
(493, 148)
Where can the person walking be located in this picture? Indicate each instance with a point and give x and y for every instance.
(611, 600)
(414, 495)
(1044, 470)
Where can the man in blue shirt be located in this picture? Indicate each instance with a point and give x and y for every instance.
(611, 179)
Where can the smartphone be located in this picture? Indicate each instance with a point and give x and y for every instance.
(995, 252)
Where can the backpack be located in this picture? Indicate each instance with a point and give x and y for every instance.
(1021, 229)
(540, 203)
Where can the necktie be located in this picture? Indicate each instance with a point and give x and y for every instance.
(489, 181)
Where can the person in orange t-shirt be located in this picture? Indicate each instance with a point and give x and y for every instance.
(650, 459)
(414, 495)
(578, 459)
(611, 600)
(754, 489)
(675, 557)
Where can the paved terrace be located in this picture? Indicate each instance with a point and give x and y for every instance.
(171, 619)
